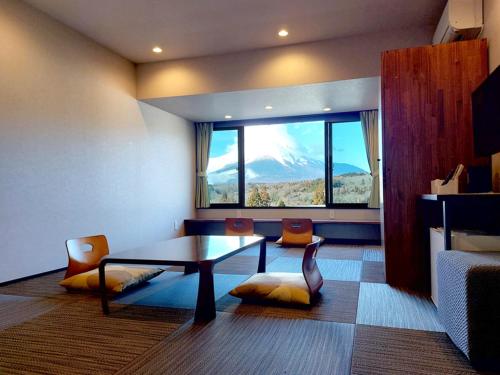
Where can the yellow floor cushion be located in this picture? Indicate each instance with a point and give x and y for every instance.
(275, 286)
(299, 242)
(118, 278)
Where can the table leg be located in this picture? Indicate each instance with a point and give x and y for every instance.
(190, 268)
(205, 305)
(102, 288)
(262, 257)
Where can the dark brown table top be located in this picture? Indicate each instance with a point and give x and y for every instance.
(186, 250)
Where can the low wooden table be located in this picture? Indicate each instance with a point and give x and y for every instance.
(195, 253)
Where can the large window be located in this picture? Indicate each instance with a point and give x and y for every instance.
(222, 172)
(285, 165)
(352, 181)
(289, 162)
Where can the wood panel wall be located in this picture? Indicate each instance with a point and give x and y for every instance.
(426, 130)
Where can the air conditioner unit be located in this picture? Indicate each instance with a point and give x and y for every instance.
(461, 20)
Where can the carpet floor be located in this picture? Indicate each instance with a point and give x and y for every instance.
(358, 325)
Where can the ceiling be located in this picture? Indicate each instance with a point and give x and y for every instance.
(189, 28)
(340, 96)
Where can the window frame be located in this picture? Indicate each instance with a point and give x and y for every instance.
(329, 121)
(241, 164)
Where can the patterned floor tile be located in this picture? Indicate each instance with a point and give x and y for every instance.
(331, 269)
(373, 272)
(390, 351)
(382, 305)
(338, 302)
(242, 344)
(329, 252)
(179, 291)
(374, 255)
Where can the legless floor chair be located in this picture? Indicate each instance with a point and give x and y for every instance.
(297, 233)
(294, 288)
(239, 227)
(84, 255)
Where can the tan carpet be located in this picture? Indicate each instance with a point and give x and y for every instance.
(76, 338)
(390, 351)
(238, 344)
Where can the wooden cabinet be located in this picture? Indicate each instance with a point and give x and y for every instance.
(426, 130)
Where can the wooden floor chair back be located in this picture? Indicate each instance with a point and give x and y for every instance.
(83, 259)
(310, 269)
(297, 231)
(239, 227)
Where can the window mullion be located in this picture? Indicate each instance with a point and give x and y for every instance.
(241, 166)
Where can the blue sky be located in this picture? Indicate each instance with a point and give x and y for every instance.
(305, 138)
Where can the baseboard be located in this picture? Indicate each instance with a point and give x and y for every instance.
(5, 283)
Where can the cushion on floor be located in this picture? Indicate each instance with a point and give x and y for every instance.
(275, 286)
(298, 241)
(118, 278)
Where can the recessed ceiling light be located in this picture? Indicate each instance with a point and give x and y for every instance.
(157, 50)
(269, 107)
(327, 109)
(282, 33)
(228, 116)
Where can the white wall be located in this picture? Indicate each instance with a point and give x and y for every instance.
(492, 30)
(78, 154)
(316, 62)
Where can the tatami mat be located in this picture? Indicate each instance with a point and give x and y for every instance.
(382, 305)
(373, 255)
(391, 351)
(46, 330)
(331, 269)
(76, 338)
(241, 344)
(180, 292)
(17, 309)
(338, 302)
(373, 272)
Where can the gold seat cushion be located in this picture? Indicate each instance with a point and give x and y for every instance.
(118, 278)
(275, 286)
(299, 241)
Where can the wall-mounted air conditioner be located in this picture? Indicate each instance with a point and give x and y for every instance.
(461, 20)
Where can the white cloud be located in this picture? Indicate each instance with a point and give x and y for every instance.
(261, 142)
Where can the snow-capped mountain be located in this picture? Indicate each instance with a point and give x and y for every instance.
(271, 170)
(272, 155)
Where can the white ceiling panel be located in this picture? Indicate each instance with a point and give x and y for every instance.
(188, 28)
(340, 96)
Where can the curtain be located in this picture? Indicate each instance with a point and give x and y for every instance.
(369, 124)
(203, 138)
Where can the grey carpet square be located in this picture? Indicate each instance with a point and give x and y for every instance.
(17, 309)
(42, 286)
(338, 302)
(329, 252)
(177, 290)
(382, 305)
(271, 250)
(373, 272)
(390, 351)
(241, 265)
(331, 269)
(242, 344)
(374, 255)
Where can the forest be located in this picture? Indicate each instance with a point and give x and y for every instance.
(347, 188)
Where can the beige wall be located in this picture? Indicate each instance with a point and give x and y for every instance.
(324, 61)
(78, 154)
(492, 30)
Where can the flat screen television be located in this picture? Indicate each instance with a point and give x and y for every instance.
(486, 115)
